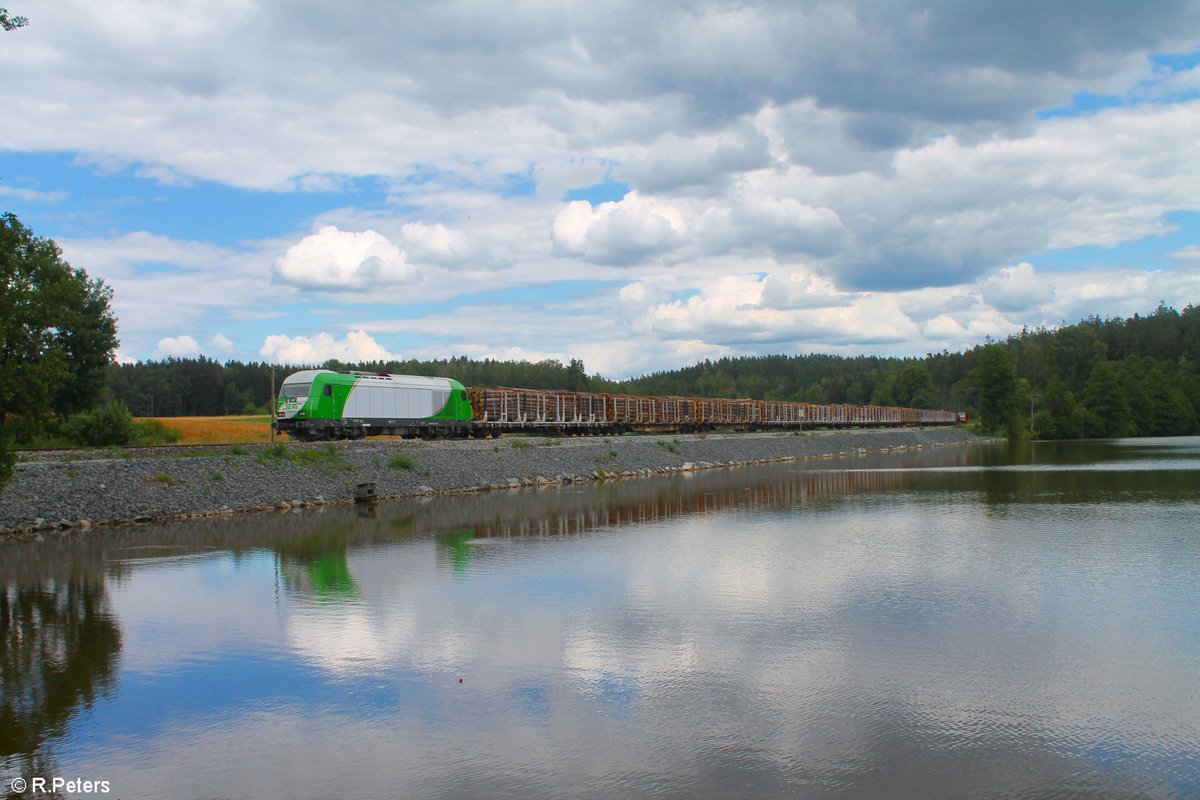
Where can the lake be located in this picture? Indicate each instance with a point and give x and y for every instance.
(977, 621)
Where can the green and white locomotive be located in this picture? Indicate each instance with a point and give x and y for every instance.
(318, 404)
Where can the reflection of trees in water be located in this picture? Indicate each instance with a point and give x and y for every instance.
(791, 490)
(564, 515)
(59, 647)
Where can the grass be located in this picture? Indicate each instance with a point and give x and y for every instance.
(326, 459)
(215, 430)
(142, 432)
(607, 458)
(531, 441)
(164, 479)
(671, 446)
(402, 461)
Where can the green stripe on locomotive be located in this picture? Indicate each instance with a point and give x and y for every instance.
(458, 407)
(323, 404)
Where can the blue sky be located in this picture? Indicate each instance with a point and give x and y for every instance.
(639, 187)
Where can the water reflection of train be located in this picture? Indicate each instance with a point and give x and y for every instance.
(733, 491)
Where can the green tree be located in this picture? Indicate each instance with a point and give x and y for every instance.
(915, 388)
(57, 333)
(1057, 416)
(1107, 410)
(8, 23)
(1135, 386)
(997, 403)
(107, 425)
(1072, 352)
(577, 378)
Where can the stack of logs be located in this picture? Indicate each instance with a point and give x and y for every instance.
(550, 408)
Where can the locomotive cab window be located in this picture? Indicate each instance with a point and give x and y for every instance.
(294, 390)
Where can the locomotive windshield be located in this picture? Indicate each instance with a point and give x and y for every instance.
(294, 389)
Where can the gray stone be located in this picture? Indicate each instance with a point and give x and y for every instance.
(94, 486)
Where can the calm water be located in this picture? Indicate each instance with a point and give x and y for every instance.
(959, 622)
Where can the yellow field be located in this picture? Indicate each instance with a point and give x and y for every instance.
(221, 430)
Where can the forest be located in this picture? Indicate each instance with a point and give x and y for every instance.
(1133, 376)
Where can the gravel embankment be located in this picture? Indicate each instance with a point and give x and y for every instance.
(85, 488)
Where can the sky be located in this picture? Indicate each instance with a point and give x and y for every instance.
(638, 185)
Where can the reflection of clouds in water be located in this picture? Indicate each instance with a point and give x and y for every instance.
(961, 638)
(158, 607)
(821, 630)
(796, 607)
(622, 673)
(359, 640)
(346, 640)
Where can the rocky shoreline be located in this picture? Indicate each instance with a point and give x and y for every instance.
(80, 489)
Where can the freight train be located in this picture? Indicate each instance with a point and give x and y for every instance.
(320, 404)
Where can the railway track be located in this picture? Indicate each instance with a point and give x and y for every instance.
(132, 451)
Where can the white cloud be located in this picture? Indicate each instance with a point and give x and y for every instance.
(731, 311)
(1189, 253)
(618, 233)
(786, 225)
(355, 347)
(119, 357)
(1120, 292)
(944, 328)
(436, 84)
(221, 344)
(333, 259)
(118, 256)
(798, 289)
(1017, 288)
(31, 195)
(435, 244)
(178, 347)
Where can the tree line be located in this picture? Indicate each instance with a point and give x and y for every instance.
(1136, 376)
(1100, 377)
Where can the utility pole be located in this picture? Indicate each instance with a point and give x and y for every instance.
(271, 409)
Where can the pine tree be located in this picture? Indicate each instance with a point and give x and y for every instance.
(997, 384)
